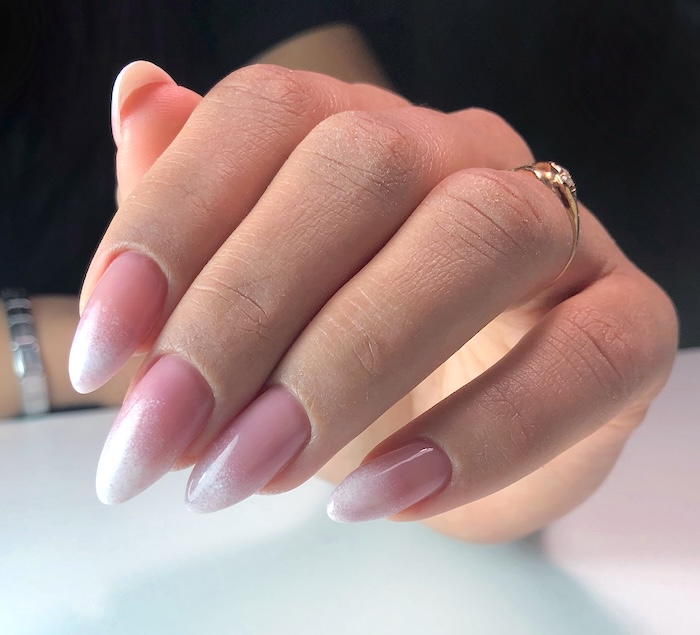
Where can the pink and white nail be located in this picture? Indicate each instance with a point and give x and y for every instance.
(160, 418)
(390, 483)
(258, 443)
(120, 314)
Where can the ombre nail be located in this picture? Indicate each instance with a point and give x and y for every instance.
(259, 442)
(121, 311)
(132, 77)
(160, 418)
(390, 483)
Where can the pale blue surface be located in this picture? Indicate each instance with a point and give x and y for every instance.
(71, 566)
(380, 578)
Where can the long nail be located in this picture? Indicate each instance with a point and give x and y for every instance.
(260, 441)
(132, 77)
(390, 483)
(160, 418)
(119, 315)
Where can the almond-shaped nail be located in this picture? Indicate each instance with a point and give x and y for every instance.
(258, 443)
(390, 483)
(132, 77)
(121, 312)
(162, 415)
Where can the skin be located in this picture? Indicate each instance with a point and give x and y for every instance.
(55, 319)
(550, 379)
(336, 50)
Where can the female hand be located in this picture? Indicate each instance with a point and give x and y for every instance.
(319, 270)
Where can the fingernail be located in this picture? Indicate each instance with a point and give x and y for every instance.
(160, 418)
(260, 441)
(390, 483)
(132, 77)
(119, 315)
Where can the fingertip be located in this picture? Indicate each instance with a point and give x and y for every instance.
(149, 122)
(132, 77)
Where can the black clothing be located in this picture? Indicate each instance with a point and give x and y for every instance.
(611, 90)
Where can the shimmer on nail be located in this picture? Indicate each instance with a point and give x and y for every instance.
(120, 314)
(259, 442)
(161, 417)
(390, 483)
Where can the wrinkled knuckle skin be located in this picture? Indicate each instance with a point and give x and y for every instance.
(360, 355)
(604, 344)
(487, 208)
(376, 148)
(269, 87)
(513, 433)
(236, 305)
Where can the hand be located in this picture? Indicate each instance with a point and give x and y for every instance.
(320, 270)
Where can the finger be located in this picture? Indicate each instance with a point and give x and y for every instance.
(545, 494)
(356, 178)
(148, 111)
(480, 242)
(607, 348)
(195, 195)
(351, 174)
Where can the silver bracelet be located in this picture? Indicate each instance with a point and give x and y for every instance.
(26, 354)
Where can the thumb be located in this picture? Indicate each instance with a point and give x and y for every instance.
(148, 111)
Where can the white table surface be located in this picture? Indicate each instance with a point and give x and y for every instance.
(627, 561)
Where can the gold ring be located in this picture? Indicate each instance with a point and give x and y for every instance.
(558, 179)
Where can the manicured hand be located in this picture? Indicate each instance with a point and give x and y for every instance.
(323, 274)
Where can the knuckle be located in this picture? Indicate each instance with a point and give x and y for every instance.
(603, 344)
(487, 118)
(453, 242)
(270, 88)
(373, 149)
(360, 352)
(629, 342)
(513, 432)
(619, 346)
(194, 197)
(225, 302)
(651, 329)
(491, 213)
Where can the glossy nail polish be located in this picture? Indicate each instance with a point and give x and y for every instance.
(390, 483)
(121, 311)
(132, 77)
(258, 443)
(160, 418)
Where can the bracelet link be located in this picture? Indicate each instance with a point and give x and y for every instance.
(26, 353)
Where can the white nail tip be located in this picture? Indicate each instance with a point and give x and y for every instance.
(333, 512)
(124, 469)
(81, 367)
(132, 77)
(96, 349)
